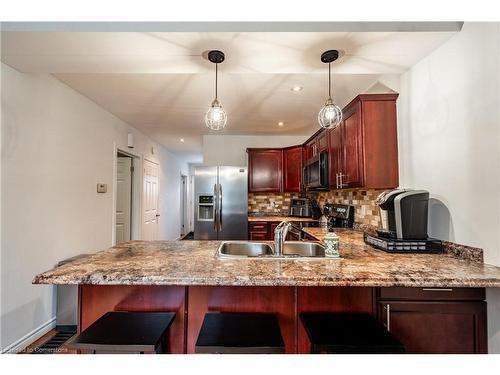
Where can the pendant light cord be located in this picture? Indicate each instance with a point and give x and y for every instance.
(216, 81)
(329, 80)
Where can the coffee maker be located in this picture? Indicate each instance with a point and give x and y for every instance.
(339, 215)
(403, 214)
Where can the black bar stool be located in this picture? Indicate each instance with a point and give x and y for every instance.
(240, 333)
(126, 332)
(345, 333)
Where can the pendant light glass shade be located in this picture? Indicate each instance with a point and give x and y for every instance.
(330, 115)
(216, 117)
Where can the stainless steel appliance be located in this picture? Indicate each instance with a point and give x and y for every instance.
(339, 215)
(316, 172)
(403, 215)
(221, 203)
(300, 207)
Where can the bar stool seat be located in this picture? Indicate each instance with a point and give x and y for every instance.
(349, 333)
(240, 333)
(125, 332)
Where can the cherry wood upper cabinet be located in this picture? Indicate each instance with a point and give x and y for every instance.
(335, 155)
(265, 170)
(351, 164)
(363, 149)
(316, 144)
(292, 169)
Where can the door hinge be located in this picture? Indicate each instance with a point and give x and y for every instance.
(132, 169)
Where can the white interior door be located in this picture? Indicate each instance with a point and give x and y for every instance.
(150, 201)
(123, 199)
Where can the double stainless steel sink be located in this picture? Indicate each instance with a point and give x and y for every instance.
(261, 250)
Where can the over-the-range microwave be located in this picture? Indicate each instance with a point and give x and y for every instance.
(316, 172)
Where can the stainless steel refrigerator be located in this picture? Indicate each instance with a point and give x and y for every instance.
(221, 203)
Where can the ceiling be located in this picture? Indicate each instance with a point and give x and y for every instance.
(162, 83)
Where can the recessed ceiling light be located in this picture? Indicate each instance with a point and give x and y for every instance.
(182, 139)
(296, 88)
(281, 123)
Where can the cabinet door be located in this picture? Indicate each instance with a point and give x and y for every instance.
(437, 327)
(265, 170)
(322, 141)
(335, 156)
(352, 153)
(310, 149)
(292, 169)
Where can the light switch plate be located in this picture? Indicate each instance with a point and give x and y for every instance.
(102, 188)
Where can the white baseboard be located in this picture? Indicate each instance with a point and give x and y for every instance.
(30, 337)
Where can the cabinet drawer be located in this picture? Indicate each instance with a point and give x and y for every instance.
(260, 226)
(433, 294)
(256, 236)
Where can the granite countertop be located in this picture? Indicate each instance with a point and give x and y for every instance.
(252, 218)
(195, 263)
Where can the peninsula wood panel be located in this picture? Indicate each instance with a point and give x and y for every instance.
(279, 300)
(96, 300)
(331, 299)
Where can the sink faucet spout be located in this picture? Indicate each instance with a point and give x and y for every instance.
(279, 237)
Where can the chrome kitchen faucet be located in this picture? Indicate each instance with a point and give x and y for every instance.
(279, 237)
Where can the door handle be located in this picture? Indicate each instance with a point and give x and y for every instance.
(337, 180)
(214, 211)
(220, 208)
(387, 308)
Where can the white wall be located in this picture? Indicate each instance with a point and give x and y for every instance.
(231, 149)
(170, 192)
(56, 146)
(449, 143)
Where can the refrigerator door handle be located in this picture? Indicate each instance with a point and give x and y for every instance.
(220, 208)
(215, 212)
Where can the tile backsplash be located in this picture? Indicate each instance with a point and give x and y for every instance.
(270, 203)
(366, 211)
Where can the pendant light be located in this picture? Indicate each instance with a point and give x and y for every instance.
(330, 115)
(216, 117)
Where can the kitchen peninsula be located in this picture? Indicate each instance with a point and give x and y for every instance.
(440, 290)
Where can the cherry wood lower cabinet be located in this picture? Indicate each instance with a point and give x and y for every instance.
(96, 300)
(426, 320)
(436, 320)
(331, 299)
(279, 300)
(262, 230)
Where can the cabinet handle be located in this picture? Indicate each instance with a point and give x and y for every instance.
(388, 317)
(437, 289)
(342, 180)
(337, 180)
